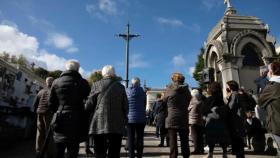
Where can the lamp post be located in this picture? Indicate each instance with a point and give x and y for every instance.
(127, 37)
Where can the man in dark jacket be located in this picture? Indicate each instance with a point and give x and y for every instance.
(67, 97)
(177, 98)
(270, 100)
(109, 106)
(44, 114)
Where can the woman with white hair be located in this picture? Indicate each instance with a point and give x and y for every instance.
(196, 121)
(136, 117)
(108, 104)
(67, 97)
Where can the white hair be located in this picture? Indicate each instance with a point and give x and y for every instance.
(135, 81)
(73, 65)
(49, 81)
(195, 93)
(108, 70)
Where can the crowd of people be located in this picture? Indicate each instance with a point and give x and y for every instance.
(70, 112)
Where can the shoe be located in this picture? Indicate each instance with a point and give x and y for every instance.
(160, 145)
(209, 155)
(89, 152)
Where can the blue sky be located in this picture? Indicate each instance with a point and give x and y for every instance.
(50, 32)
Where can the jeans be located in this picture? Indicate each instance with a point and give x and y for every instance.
(107, 145)
(183, 134)
(137, 128)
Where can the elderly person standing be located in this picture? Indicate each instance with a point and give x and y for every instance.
(67, 97)
(44, 114)
(270, 100)
(136, 117)
(196, 121)
(177, 98)
(109, 106)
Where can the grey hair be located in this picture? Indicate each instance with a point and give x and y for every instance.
(49, 81)
(73, 65)
(196, 94)
(135, 81)
(108, 70)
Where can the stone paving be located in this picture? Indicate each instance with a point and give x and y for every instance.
(25, 149)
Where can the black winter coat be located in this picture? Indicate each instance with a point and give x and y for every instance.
(68, 93)
(161, 113)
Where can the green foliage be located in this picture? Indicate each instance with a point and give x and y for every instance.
(22, 60)
(43, 73)
(199, 66)
(95, 76)
(55, 74)
(5, 56)
(14, 59)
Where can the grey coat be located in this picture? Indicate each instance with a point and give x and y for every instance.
(177, 98)
(110, 115)
(270, 100)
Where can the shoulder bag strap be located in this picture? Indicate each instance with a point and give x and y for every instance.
(104, 92)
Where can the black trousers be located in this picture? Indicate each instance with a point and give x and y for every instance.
(163, 135)
(72, 149)
(107, 145)
(137, 128)
(238, 146)
(197, 137)
(185, 149)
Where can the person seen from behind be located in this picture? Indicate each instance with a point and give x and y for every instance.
(196, 121)
(67, 97)
(109, 106)
(136, 118)
(44, 116)
(177, 99)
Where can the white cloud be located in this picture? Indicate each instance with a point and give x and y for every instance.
(137, 61)
(191, 70)
(104, 8)
(41, 23)
(15, 42)
(62, 41)
(170, 22)
(210, 4)
(179, 60)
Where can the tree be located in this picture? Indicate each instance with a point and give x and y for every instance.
(14, 59)
(95, 76)
(5, 56)
(43, 73)
(55, 74)
(22, 60)
(199, 66)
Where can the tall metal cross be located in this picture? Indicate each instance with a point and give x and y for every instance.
(127, 36)
(227, 2)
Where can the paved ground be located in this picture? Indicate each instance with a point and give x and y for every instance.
(25, 149)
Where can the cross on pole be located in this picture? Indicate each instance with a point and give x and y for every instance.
(127, 36)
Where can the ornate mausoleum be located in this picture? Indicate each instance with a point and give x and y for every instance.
(237, 47)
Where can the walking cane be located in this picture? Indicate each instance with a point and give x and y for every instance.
(46, 142)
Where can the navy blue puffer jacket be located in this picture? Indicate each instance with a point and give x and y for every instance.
(136, 104)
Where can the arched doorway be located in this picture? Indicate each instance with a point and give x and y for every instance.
(213, 63)
(252, 60)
